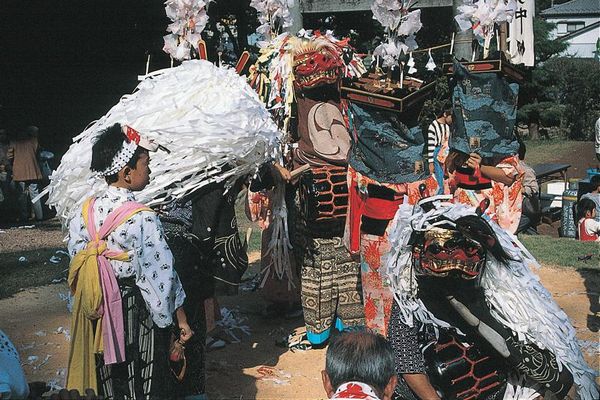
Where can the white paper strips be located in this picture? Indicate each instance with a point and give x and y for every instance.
(208, 117)
(521, 34)
(273, 15)
(189, 20)
(482, 15)
(430, 66)
(400, 25)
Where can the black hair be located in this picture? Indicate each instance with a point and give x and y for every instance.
(583, 206)
(360, 356)
(106, 146)
(445, 110)
(595, 181)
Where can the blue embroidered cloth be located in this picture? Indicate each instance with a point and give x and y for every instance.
(385, 149)
(484, 114)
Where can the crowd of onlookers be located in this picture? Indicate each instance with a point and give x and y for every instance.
(24, 172)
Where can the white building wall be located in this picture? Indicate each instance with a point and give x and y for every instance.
(582, 45)
(561, 23)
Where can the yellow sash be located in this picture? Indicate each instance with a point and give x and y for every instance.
(84, 281)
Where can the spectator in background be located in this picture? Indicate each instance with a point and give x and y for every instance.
(4, 148)
(594, 195)
(530, 212)
(26, 171)
(438, 135)
(359, 365)
(589, 228)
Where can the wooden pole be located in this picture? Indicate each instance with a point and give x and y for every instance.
(462, 40)
(296, 13)
(503, 29)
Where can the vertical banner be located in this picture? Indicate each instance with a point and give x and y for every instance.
(521, 34)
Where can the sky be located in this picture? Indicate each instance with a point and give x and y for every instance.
(65, 63)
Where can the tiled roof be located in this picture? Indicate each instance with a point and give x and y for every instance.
(574, 7)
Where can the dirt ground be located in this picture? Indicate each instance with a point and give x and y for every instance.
(37, 320)
(580, 155)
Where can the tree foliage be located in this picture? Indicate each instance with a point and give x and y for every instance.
(577, 87)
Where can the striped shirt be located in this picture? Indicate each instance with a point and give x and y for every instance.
(437, 133)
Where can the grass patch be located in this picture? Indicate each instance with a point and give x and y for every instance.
(562, 252)
(36, 271)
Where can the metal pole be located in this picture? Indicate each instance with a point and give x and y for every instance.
(462, 40)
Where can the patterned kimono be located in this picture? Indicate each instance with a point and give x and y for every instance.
(378, 299)
(505, 201)
(330, 278)
(150, 292)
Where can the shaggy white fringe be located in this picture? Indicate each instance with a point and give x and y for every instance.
(208, 117)
(515, 294)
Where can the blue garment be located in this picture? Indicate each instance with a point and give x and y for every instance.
(484, 112)
(438, 170)
(13, 384)
(320, 338)
(385, 149)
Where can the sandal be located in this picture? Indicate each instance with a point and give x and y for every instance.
(297, 340)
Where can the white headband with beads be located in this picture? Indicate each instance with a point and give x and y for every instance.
(120, 160)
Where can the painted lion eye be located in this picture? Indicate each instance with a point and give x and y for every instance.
(434, 248)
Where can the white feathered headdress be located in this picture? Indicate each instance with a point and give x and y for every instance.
(212, 122)
(517, 298)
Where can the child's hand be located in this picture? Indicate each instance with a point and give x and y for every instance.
(185, 332)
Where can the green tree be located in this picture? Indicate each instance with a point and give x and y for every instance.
(542, 85)
(577, 83)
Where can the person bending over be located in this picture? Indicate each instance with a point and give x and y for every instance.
(359, 365)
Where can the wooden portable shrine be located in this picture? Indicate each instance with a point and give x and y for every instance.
(497, 64)
(379, 90)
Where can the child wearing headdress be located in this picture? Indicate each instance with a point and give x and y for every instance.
(126, 293)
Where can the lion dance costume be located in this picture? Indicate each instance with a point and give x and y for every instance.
(471, 314)
(306, 76)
